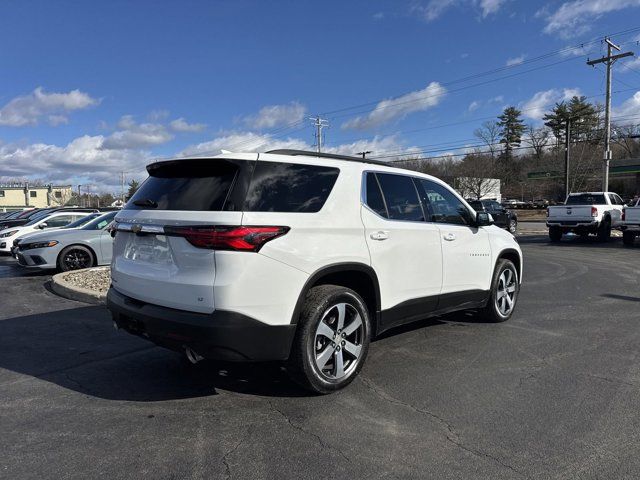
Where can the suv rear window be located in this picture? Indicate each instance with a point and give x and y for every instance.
(186, 185)
(586, 199)
(289, 187)
(216, 185)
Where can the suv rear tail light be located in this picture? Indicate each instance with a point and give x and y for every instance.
(245, 239)
(594, 212)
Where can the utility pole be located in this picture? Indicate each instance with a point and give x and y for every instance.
(364, 154)
(79, 195)
(567, 142)
(319, 123)
(609, 60)
(122, 187)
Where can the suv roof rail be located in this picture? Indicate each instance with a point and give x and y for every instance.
(334, 156)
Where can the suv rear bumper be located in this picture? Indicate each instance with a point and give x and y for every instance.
(221, 335)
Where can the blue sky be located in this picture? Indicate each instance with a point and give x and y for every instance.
(89, 89)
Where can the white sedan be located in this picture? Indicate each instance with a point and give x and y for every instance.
(53, 221)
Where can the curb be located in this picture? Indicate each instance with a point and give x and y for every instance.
(62, 287)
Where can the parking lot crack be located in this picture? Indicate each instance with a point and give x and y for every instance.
(225, 457)
(450, 434)
(298, 427)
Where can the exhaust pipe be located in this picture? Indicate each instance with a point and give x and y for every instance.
(192, 356)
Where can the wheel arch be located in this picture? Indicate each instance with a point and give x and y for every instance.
(359, 277)
(514, 256)
(88, 247)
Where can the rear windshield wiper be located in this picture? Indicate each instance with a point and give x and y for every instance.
(147, 202)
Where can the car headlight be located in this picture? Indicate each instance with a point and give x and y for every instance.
(8, 234)
(28, 246)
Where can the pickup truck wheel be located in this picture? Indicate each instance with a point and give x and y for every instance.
(555, 234)
(604, 231)
(628, 238)
(504, 292)
(332, 339)
(513, 226)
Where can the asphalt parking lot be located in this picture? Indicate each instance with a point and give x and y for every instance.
(554, 393)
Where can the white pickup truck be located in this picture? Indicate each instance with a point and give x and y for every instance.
(585, 213)
(630, 224)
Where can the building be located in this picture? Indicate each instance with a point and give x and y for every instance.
(16, 196)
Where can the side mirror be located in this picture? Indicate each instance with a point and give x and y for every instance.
(42, 226)
(483, 219)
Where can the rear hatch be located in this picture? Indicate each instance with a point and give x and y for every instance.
(158, 256)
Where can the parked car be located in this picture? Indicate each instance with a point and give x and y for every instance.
(69, 249)
(540, 203)
(300, 257)
(630, 224)
(77, 224)
(30, 215)
(502, 217)
(51, 220)
(584, 214)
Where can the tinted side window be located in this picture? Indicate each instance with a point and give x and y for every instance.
(401, 197)
(59, 221)
(374, 197)
(289, 187)
(445, 206)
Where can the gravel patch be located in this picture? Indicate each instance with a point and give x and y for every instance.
(97, 280)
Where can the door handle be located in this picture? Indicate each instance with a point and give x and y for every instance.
(450, 237)
(381, 235)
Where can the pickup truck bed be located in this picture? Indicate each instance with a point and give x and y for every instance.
(630, 224)
(584, 214)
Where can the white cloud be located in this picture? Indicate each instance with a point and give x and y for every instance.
(630, 65)
(395, 108)
(242, 142)
(541, 102)
(181, 125)
(435, 8)
(82, 160)
(136, 135)
(575, 51)
(490, 6)
(575, 17)
(515, 61)
(276, 115)
(30, 109)
(473, 106)
(630, 107)
(378, 16)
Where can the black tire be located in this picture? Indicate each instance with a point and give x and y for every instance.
(492, 311)
(75, 257)
(628, 238)
(321, 305)
(604, 231)
(555, 234)
(513, 226)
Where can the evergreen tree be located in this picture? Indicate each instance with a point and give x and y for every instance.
(584, 119)
(133, 187)
(511, 129)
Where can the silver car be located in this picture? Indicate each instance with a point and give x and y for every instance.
(71, 249)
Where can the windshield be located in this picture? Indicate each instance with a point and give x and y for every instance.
(82, 221)
(586, 199)
(37, 217)
(100, 222)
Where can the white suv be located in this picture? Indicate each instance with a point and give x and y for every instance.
(303, 257)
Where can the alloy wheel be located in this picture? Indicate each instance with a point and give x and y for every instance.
(77, 259)
(506, 295)
(338, 341)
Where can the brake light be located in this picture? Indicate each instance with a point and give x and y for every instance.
(246, 239)
(594, 212)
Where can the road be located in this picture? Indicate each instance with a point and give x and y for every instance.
(553, 393)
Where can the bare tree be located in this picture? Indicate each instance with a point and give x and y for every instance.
(538, 139)
(626, 137)
(476, 177)
(489, 134)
